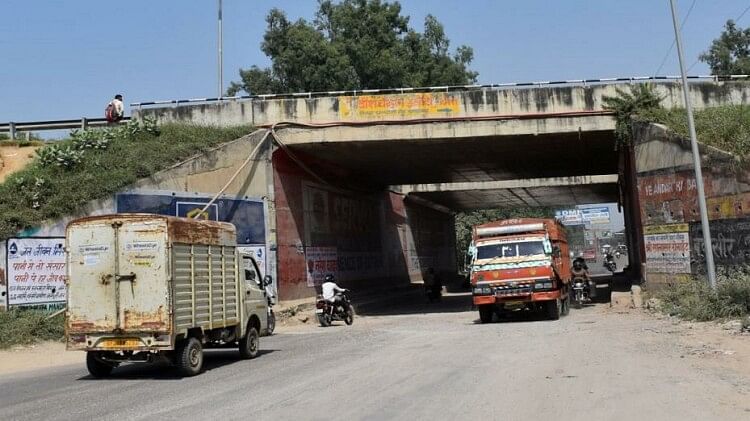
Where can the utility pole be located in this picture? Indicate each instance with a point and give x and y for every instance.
(221, 54)
(708, 247)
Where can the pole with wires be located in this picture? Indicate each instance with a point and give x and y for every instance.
(221, 53)
(707, 245)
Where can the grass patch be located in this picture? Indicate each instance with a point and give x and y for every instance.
(44, 192)
(694, 300)
(25, 327)
(725, 127)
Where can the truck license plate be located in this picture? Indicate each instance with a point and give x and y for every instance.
(319, 310)
(120, 343)
(513, 303)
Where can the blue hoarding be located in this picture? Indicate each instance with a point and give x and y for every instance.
(246, 214)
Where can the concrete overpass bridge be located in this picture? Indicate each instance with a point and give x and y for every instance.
(373, 177)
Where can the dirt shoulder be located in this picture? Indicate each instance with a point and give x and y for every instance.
(14, 158)
(39, 356)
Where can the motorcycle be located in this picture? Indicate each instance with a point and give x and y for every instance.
(580, 291)
(329, 312)
(610, 264)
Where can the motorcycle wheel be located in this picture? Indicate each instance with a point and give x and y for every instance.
(349, 316)
(271, 322)
(324, 320)
(579, 299)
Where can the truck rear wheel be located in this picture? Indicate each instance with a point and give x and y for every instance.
(97, 368)
(485, 313)
(189, 357)
(553, 309)
(250, 344)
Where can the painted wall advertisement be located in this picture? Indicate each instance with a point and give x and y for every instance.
(403, 105)
(730, 238)
(36, 271)
(319, 262)
(667, 248)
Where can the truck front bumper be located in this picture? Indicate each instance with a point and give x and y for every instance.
(515, 299)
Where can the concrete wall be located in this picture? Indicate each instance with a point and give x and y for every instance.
(203, 175)
(669, 206)
(462, 103)
(371, 240)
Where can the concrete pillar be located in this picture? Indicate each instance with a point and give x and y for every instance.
(12, 130)
(84, 123)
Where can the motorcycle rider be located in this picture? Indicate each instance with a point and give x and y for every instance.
(331, 291)
(609, 262)
(432, 284)
(580, 268)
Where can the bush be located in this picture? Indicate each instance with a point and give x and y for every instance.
(694, 299)
(24, 327)
(75, 171)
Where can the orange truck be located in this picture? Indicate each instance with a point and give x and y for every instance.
(520, 264)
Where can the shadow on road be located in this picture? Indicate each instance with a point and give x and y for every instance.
(415, 303)
(213, 359)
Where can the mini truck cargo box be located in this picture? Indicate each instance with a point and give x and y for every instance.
(143, 287)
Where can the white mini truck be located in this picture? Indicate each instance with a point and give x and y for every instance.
(143, 287)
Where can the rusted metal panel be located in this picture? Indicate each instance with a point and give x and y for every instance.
(131, 274)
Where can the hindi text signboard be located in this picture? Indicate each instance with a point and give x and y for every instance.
(36, 271)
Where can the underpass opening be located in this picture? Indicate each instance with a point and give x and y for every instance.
(376, 205)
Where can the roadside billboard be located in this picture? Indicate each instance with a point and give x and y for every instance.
(598, 215)
(36, 271)
(569, 216)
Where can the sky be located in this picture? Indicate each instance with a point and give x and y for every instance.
(66, 59)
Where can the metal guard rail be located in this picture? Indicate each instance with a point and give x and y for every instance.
(615, 80)
(83, 123)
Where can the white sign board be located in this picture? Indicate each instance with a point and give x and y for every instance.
(36, 271)
(569, 217)
(668, 252)
(595, 215)
(258, 252)
(319, 262)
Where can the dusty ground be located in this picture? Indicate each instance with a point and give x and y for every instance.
(14, 158)
(39, 356)
(414, 361)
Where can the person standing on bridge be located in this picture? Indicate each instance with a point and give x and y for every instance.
(115, 110)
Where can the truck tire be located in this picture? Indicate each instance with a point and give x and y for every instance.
(485, 313)
(250, 344)
(97, 368)
(189, 357)
(553, 309)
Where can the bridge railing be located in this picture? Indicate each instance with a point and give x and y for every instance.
(618, 80)
(13, 128)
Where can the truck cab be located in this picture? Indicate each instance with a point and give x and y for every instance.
(520, 264)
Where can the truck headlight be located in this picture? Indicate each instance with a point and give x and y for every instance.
(482, 290)
(543, 285)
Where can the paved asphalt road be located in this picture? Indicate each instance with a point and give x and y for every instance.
(411, 362)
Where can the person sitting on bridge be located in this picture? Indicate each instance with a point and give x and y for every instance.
(115, 110)
(331, 291)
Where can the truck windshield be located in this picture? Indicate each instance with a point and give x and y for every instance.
(521, 249)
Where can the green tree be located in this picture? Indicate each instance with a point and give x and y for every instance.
(730, 53)
(354, 44)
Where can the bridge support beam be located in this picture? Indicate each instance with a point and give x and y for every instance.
(507, 184)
